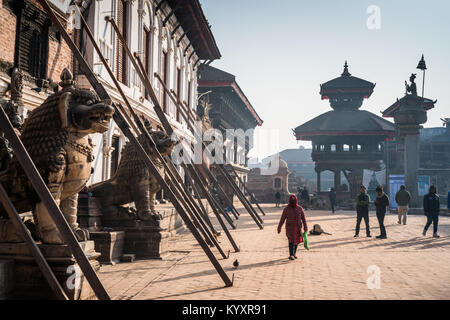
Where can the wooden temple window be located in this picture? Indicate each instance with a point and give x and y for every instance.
(147, 55)
(277, 183)
(165, 78)
(106, 50)
(247, 150)
(189, 93)
(178, 86)
(115, 143)
(235, 145)
(32, 39)
(123, 24)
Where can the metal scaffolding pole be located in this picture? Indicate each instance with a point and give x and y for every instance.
(119, 117)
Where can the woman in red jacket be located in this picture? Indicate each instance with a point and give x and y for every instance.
(294, 216)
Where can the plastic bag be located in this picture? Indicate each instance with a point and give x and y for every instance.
(305, 240)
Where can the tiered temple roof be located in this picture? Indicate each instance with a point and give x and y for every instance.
(213, 78)
(346, 94)
(193, 20)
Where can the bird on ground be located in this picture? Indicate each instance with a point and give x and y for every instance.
(236, 263)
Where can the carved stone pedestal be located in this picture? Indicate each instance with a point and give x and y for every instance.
(109, 245)
(29, 283)
(143, 239)
(146, 242)
(6, 278)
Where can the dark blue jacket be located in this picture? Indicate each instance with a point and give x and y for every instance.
(332, 196)
(381, 203)
(431, 203)
(448, 200)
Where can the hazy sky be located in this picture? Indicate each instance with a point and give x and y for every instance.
(282, 50)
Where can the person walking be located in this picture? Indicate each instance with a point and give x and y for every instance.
(431, 207)
(277, 199)
(402, 197)
(362, 211)
(305, 198)
(381, 203)
(332, 196)
(294, 216)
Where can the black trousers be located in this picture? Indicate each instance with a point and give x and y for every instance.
(380, 217)
(332, 206)
(292, 249)
(304, 203)
(362, 213)
(432, 218)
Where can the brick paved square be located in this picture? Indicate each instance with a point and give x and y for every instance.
(411, 266)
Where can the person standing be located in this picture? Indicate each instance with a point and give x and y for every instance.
(448, 200)
(305, 198)
(402, 197)
(294, 216)
(332, 196)
(277, 199)
(381, 203)
(431, 207)
(362, 211)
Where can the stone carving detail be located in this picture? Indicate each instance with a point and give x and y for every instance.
(206, 121)
(56, 137)
(11, 108)
(133, 182)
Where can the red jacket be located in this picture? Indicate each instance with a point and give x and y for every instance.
(295, 222)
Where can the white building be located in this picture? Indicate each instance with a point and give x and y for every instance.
(171, 36)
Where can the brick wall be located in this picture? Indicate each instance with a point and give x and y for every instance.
(59, 56)
(7, 34)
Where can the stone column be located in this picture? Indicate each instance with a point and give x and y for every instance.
(408, 120)
(318, 180)
(411, 161)
(337, 179)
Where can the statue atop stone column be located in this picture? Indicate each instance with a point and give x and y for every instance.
(410, 113)
(412, 88)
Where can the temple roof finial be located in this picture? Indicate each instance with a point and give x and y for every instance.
(346, 73)
(422, 65)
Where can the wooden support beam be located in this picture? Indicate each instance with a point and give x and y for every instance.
(47, 272)
(246, 189)
(55, 213)
(121, 122)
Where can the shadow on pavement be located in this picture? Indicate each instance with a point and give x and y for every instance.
(228, 269)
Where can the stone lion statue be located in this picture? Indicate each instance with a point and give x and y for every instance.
(56, 137)
(133, 182)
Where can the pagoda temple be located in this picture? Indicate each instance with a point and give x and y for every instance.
(346, 139)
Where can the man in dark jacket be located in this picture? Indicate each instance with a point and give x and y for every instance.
(305, 198)
(332, 196)
(381, 203)
(362, 211)
(277, 199)
(431, 207)
(402, 197)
